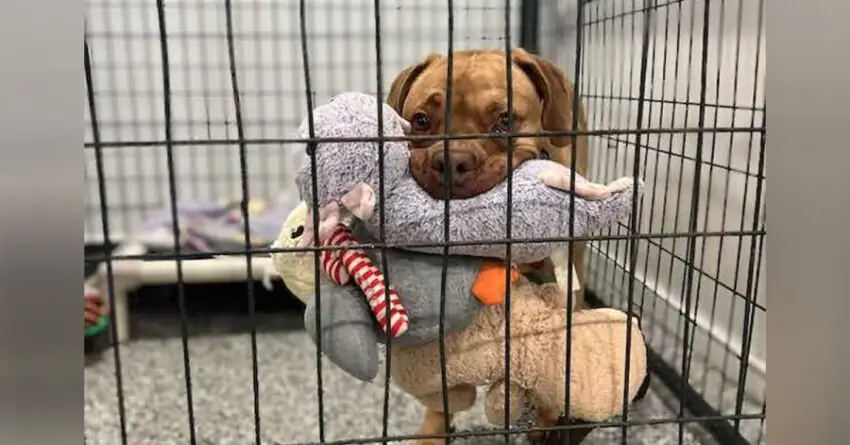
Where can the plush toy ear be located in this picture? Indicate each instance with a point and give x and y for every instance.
(405, 125)
(328, 219)
(360, 201)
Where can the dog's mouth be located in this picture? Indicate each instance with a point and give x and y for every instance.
(434, 185)
(492, 173)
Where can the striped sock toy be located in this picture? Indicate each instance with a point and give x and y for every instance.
(343, 264)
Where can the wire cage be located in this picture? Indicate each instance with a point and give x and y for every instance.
(191, 101)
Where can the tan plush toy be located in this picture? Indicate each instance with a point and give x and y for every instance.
(476, 357)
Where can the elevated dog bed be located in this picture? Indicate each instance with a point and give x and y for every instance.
(207, 229)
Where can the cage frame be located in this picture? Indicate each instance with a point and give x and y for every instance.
(125, 269)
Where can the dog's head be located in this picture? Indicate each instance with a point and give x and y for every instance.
(542, 101)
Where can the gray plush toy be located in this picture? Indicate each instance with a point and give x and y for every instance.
(348, 181)
(350, 335)
(347, 184)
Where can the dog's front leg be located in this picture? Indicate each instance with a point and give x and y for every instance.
(460, 398)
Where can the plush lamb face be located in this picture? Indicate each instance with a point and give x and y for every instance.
(348, 172)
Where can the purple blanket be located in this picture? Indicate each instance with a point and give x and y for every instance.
(209, 226)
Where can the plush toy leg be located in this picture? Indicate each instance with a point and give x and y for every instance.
(566, 437)
(460, 398)
(573, 436)
(545, 418)
(495, 403)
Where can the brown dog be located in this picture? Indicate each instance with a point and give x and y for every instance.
(542, 101)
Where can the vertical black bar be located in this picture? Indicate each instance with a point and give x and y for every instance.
(263, 121)
(346, 10)
(751, 286)
(678, 205)
(107, 242)
(131, 79)
(175, 227)
(447, 178)
(712, 154)
(224, 96)
(748, 330)
(657, 153)
(214, 186)
(586, 87)
(314, 184)
(629, 99)
(150, 68)
(745, 200)
(123, 209)
(295, 87)
(277, 91)
(529, 33)
(381, 218)
(595, 118)
(243, 167)
(726, 190)
(592, 86)
(608, 160)
(509, 219)
(760, 437)
(634, 220)
(191, 153)
(568, 353)
(694, 215)
(669, 151)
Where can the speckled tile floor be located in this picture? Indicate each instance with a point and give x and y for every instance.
(155, 396)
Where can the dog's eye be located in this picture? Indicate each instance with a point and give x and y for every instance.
(297, 232)
(504, 123)
(420, 122)
(544, 154)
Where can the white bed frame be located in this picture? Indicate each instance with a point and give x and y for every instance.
(131, 274)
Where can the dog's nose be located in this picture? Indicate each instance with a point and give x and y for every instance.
(462, 164)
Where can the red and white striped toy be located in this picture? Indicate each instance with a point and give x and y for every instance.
(343, 264)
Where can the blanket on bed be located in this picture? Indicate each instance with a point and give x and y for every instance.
(209, 225)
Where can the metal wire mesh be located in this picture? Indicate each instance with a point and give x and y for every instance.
(193, 99)
(680, 64)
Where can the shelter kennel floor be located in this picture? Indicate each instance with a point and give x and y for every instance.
(220, 353)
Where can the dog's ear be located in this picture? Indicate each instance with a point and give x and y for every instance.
(402, 83)
(555, 91)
